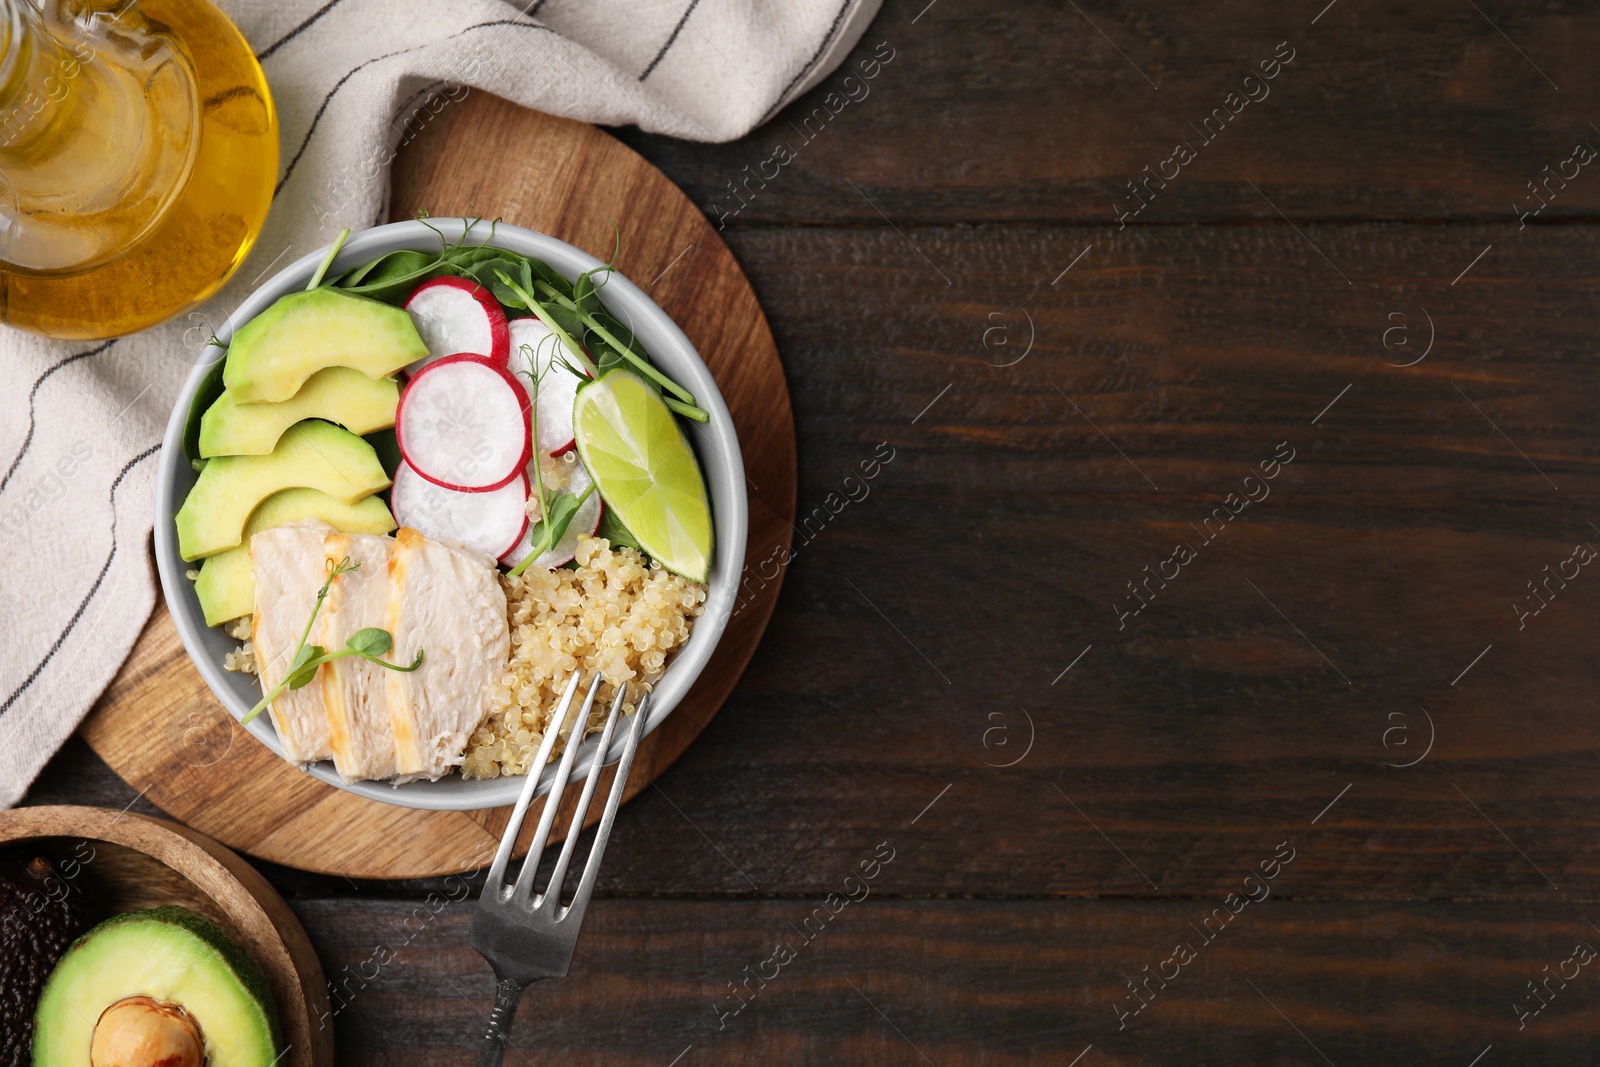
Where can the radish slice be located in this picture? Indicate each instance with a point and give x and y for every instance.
(458, 315)
(487, 522)
(585, 522)
(464, 424)
(558, 388)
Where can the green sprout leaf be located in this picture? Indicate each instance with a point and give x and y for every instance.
(371, 642)
(524, 298)
(573, 311)
(415, 663)
(327, 260)
(555, 512)
(391, 277)
(304, 667)
(548, 532)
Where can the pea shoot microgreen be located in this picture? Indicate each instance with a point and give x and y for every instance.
(522, 291)
(555, 512)
(583, 304)
(571, 310)
(393, 276)
(370, 644)
(327, 260)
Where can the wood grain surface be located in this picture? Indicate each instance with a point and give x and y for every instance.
(160, 728)
(1040, 113)
(999, 983)
(127, 862)
(965, 601)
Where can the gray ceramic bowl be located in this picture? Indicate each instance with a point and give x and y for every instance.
(715, 443)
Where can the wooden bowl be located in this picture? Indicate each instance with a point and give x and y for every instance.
(138, 862)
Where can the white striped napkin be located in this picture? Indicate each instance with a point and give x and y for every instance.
(80, 424)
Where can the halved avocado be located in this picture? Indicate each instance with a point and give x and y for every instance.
(227, 585)
(304, 332)
(337, 394)
(166, 986)
(310, 455)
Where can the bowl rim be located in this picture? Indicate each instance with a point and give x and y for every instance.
(725, 476)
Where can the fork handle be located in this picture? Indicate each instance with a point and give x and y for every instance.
(507, 995)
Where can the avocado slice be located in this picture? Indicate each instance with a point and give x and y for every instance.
(227, 585)
(275, 352)
(360, 404)
(311, 455)
(163, 986)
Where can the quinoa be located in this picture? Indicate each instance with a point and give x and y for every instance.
(243, 658)
(614, 613)
(557, 471)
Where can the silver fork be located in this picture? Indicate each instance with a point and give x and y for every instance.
(528, 938)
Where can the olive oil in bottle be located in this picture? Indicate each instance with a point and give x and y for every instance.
(138, 150)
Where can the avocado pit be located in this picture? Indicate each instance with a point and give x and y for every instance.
(144, 1032)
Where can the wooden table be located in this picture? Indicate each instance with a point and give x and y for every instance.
(1327, 746)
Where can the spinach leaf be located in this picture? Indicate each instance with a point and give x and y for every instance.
(464, 258)
(210, 389)
(612, 529)
(584, 294)
(387, 446)
(485, 270)
(551, 277)
(391, 277)
(607, 355)
(551, 309)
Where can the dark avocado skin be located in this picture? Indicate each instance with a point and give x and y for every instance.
(40, 915)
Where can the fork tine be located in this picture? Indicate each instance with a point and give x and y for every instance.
(559, 875)
(580, 899)
(508, 839)
(552, 800)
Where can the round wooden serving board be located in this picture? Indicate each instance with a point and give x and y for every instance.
(159, 727)
(126, 862)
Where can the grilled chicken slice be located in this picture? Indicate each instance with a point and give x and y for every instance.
(287, 561)
(448, 601)
(353, 687)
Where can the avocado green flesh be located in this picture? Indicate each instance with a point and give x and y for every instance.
(168, 954)
(309, 455)
(227, 585)
(305, 332)
(338, 394)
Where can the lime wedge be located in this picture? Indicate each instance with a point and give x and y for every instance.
(642, 464)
